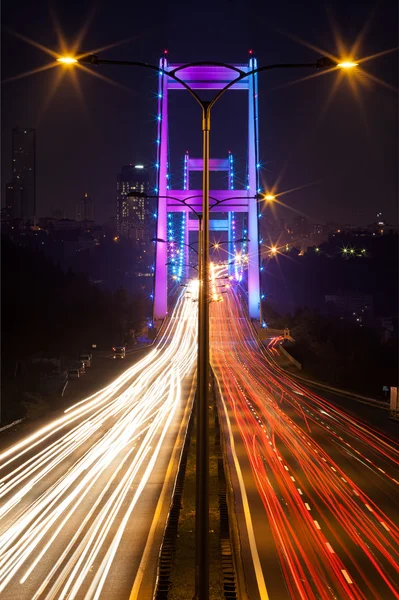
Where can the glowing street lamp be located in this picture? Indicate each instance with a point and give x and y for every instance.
(67, 60)
(327, 62)
(269, 197)
(273, 250)
(217, 245)
(347, 64)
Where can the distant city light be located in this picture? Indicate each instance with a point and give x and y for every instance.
(139, 166)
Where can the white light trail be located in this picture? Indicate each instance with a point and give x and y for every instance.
(102, 453)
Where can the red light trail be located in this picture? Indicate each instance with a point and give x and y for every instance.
(309, 460)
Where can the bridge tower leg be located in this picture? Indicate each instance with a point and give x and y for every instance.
(253, 223)
(186, 186)
(230, 217)
(230, 268)
(160, 287)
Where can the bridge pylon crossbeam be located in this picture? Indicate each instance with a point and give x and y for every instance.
(208, 77)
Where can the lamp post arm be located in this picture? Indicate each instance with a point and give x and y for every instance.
(93, 59)
(184, 201)
(218, 202)
(204, 63)
(243, 75)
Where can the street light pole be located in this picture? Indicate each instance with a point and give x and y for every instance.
(202, 471)
(202, 458)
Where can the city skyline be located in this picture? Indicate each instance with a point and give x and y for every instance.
(20, 201)
(342, 173)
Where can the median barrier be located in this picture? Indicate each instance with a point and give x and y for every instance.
(290, 358)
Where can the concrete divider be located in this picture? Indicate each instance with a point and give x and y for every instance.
(290, 358)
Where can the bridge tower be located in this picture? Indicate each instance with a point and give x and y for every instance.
(209, 77)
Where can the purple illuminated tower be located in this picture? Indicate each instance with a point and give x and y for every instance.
(205, 78)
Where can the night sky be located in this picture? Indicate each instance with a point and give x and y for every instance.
(342, 147)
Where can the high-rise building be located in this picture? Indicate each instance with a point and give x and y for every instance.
(133, 214)
(57, 213)
(85, 208)
(12, 189)
(24, 173)
(300, 227)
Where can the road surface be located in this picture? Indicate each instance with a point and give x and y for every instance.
(316, 489)
(84, 499)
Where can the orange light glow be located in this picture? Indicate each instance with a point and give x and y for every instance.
(67, 60)
(348, 64)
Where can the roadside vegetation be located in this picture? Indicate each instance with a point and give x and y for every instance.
(339, 352)
(47, 313)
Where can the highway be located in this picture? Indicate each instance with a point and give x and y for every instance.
(84, 499)
(316, 489)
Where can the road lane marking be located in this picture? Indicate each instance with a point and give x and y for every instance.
(345, 574)
(247, 513)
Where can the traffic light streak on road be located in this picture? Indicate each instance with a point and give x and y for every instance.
(81, 477)
(311, 463)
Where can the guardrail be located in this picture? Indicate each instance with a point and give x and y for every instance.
(12, 424)
(358, 397)
(290, 358)
(384, 405)
(165, 560)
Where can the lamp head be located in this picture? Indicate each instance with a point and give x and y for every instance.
(347, 64)
(67, 60)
